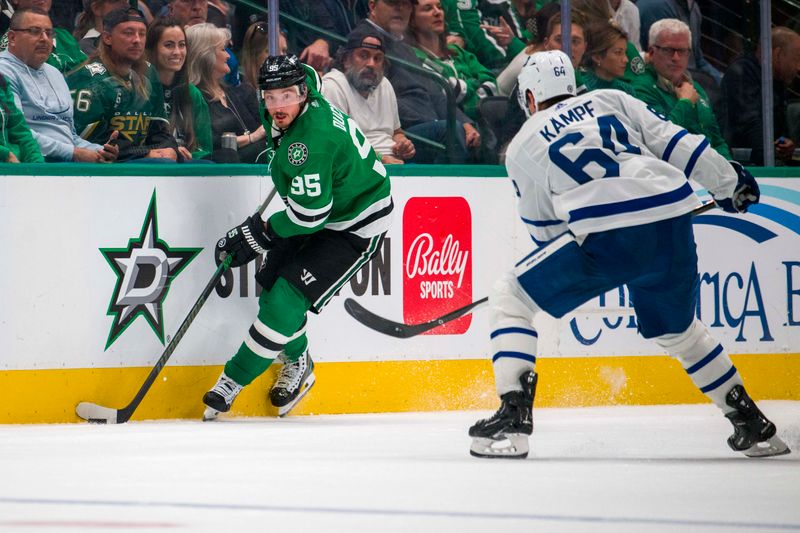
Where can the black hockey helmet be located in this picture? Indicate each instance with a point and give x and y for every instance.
(279, 72)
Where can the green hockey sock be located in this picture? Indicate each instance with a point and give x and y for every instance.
(246, 366)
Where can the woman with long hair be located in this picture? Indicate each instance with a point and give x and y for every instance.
(605, 59)
(468, 78)
(89, 25)
(232, 109)
(187, 110)
(255, 49)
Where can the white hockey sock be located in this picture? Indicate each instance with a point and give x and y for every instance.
(513, 338)
(705, 360)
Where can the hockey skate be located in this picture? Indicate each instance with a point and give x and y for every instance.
(220, 397)
(753, 434)
(294, 381)
(505, 434)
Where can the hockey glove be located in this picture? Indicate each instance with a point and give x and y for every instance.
(746, 193)
(245, 242)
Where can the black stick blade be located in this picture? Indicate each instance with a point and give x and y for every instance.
(399, 329)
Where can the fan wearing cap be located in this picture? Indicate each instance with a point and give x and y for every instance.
(117, 91)
(338, 208)
(356, 85)
(602, 183)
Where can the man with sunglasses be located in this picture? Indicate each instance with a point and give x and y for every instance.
(41, 91)
(338, 209)
(668, 87)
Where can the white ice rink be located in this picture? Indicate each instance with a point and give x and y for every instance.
(611, 469)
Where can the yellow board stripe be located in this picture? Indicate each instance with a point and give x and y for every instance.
(43, 396)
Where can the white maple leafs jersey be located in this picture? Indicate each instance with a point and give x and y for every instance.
(605, 160)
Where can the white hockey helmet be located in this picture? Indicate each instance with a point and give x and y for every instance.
(546, 75)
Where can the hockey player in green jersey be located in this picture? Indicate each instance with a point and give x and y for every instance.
(338, 208)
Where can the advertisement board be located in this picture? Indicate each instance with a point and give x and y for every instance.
(100, 272)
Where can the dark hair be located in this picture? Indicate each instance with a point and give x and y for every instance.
(411, 34)
(19, 13)
(537, 25)
(599, 40)
(86, 20)
(181, 116)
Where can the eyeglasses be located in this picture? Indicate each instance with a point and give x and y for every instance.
(669, 51)
(36, 31)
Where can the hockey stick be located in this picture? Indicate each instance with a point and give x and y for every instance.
(105, 415)
(401, 330)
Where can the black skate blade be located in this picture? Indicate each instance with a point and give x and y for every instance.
(768, 448)
(285, 409)
(510, 446)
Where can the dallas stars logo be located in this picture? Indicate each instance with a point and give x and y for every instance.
(298, 153)
(145, 269)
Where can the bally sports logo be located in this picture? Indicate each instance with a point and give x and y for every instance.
(437, 261)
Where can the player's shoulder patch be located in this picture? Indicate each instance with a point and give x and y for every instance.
(637, 65)
(95, 68)
(297, 153)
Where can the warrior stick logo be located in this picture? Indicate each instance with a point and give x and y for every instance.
(145, 269)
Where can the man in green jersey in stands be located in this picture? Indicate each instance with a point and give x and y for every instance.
(338, 208)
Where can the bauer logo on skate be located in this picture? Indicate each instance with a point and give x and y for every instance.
(437, 260)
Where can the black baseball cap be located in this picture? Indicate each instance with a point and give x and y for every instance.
(356, 38)
(118, 16)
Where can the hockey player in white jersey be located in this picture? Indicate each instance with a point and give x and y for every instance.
(602, 185)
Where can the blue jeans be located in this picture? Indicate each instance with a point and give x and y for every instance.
(436, 130)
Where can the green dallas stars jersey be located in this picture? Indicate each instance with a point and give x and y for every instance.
(328, 175)
(105, 102)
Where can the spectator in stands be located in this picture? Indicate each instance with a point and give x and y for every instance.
(116, 91)
(356, 86)
(605, 59)
(598, 13)
(687, 11)
(626, 15)
(66, 54)
(549, 27)
(740, 104)
(234, 109)
(255, 49)
(90, 22)
(16, 141)
(469, 80)
(191, 12)
(668, 87)
(422, 103)
(493, 30)
(41, 92)
(186, 108)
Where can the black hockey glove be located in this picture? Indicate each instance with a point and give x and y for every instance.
(245, 242)
(746, 193)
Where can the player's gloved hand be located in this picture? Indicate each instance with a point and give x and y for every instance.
(746, 193)
(244, 242)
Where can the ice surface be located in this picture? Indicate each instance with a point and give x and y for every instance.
(609, 469)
